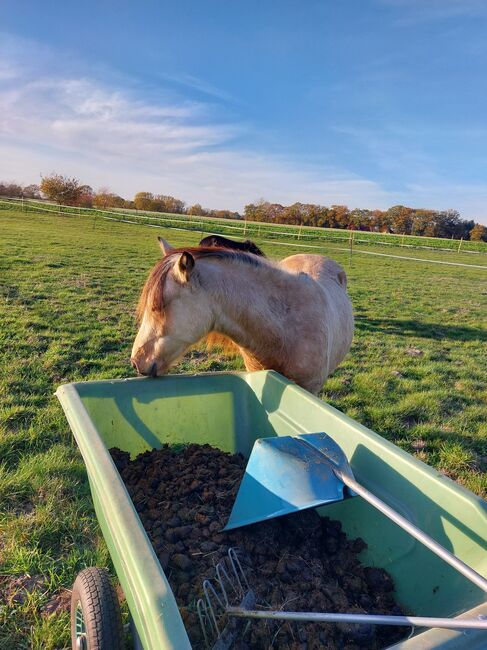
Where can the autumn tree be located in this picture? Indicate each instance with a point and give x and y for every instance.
(196, 210)
(478, 233)
(31, 192)
(292, 215)
(117, 201)
(421, 221)
(360, 219)
(86, 197)
(12, 190)
(376, 218)
(225, 214)
(433, 227)
(339, 216)
(166, 203)
(104, 199)
(62, 189)
(259, 211)
(264, 211)
(144, 201)
(400, 219)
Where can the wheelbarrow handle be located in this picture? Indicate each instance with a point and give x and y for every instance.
(413, 530)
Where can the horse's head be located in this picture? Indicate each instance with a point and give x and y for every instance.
(173, 312)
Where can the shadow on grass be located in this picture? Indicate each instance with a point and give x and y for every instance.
(434, 331)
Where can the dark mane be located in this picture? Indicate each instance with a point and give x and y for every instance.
(153, 287)
(223, 242)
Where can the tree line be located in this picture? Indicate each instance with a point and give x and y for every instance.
(398, 219)
(69, 191)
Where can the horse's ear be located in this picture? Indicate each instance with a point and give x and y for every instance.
(165, 246)
(185, 266)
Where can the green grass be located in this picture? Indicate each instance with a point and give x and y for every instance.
(416, 375)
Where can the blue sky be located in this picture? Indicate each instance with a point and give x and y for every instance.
(368, 103)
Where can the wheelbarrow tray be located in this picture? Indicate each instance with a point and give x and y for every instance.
(230, 411)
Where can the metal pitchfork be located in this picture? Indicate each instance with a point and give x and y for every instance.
(217, 614)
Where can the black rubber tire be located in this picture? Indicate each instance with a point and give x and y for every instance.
(94, 594)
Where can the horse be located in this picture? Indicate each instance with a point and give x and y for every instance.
(292, 316)
(223, 242)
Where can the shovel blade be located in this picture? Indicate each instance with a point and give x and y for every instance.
(287, 474)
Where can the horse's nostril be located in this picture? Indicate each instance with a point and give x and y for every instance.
(153, 370)
(133, 363)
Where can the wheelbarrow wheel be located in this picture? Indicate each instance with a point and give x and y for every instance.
(96, 621)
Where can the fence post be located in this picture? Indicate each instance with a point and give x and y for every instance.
(300, 229)
(460, 245)
(351, 248)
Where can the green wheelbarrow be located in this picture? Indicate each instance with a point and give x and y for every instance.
(231, 411)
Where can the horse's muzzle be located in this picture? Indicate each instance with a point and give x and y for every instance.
(151, 372)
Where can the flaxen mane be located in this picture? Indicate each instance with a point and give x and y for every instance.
(152, 293)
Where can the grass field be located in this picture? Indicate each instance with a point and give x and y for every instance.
(416, 375)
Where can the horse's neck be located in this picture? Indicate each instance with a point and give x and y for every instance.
(249, 303)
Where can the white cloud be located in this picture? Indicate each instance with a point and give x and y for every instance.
(200, 85)
(111, 135)
(81, 114)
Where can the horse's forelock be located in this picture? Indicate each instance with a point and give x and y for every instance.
(152, 293)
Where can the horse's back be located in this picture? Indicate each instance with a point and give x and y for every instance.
(318, 267)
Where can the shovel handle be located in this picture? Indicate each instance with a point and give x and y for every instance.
(370, 619)
(413, 530)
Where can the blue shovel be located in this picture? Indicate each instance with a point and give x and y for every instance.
(286, 474)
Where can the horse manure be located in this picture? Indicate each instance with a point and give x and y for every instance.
(298, 562)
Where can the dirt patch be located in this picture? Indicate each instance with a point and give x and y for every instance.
(15, 590)
(60, 602)
(414, 352)
(299, 562)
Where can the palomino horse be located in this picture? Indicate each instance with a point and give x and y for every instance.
(224, 242)
(293, 316)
